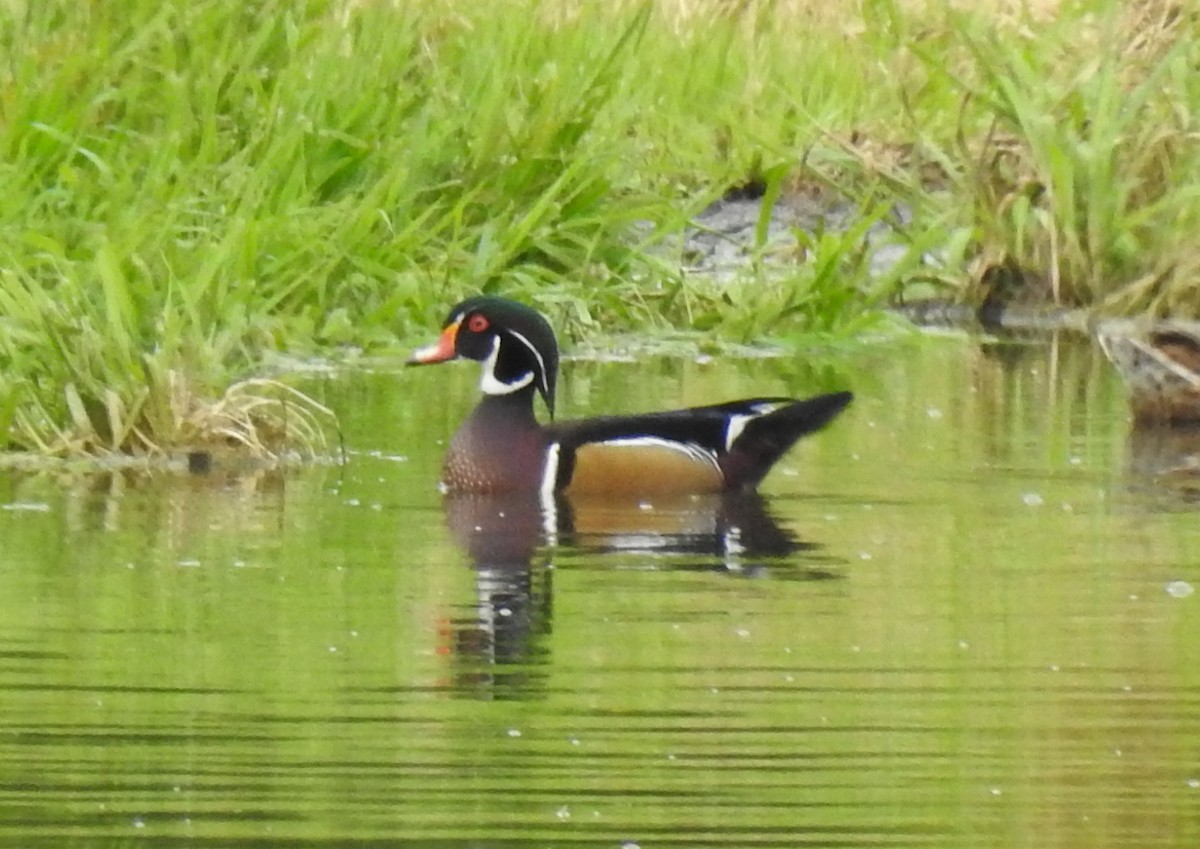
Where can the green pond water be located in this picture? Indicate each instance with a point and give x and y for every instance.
(960, 617)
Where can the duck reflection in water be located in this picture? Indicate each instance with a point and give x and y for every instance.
(514, 543)
(1160, 367)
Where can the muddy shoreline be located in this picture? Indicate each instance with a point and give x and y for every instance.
(723, 243)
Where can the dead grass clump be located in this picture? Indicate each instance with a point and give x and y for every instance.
(264, 418)
(260, 419)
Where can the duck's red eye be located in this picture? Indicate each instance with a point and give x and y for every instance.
(477, 323)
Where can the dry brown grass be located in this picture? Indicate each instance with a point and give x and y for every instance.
(258, 418)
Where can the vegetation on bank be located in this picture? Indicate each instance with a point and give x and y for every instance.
(190, 186)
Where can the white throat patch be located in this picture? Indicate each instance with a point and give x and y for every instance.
(492, 385)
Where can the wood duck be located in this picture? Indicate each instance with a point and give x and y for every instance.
(1161, 367)
(501, 447)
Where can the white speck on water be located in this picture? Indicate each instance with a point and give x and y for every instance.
(514, 732)
(963, 644)
(354, 633)
(188, 563)
(26, 507)
(855, 649)
(563, 813)
(1194, 783)
(864, 555)
(574, 741)
(1054, 667)
(1180, 589)
(379, 455)
(138, 822)
(996, 791)
(333, 649)
(352, 502)
(789, 678)
(1032, 499)
(787, 649)
(1075, 460)
(670, 756)
(742, 632)
(1118, 752)
(1133, 597)
(933, 413)
(1067, 507)
(1128, 688)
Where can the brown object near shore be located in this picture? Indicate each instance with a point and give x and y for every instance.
(1161, 367)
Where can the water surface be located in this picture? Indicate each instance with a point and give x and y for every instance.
(960, 617)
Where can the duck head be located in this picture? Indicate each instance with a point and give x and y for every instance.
(514, 343)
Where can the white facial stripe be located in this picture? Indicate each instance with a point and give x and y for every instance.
(491, 385)
(536, 353)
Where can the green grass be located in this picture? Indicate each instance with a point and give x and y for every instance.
(190, 186)
(1071, 161)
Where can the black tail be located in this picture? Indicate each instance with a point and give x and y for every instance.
(767, 438)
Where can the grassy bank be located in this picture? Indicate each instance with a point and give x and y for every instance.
(189, 186)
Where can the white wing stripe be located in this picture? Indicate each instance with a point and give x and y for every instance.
(690, 449)
(735, 427)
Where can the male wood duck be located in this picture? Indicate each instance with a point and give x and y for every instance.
(501, 447)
